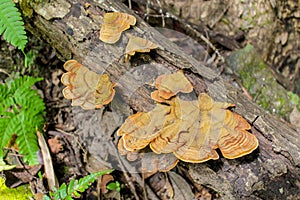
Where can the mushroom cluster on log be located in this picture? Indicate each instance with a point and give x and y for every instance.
(72, 28)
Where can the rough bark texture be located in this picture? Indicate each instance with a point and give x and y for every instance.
(271, 26)
(271, 172)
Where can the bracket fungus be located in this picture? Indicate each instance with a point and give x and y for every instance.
(191, 130)
(149, 162)
(169, 85)
(86, 88)
(137, 44)
(114, 23)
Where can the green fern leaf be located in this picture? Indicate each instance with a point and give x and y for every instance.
(21, 113)
(76, 187)
(4, 136)
(71, 186)
(56, 194)
(27, 140)
(86, 181)
(12, 25)
(63, 191)
(45, 197)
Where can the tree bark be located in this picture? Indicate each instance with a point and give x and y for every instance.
(270, 172)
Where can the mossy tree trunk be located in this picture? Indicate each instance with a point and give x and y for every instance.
(72, 28)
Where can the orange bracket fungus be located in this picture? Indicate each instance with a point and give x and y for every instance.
(137, 44)
(149, 162)
(86, 88)
(191, 130)
(169, 85)
(114, 23)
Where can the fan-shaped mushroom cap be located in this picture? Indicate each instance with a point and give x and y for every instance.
(86, 88)
(169, 85)
(114, 23)
(137, 44)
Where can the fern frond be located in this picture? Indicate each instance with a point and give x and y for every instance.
(76, 187)
(4, 136)
(21, 113)
(27, 139)
(12, 25)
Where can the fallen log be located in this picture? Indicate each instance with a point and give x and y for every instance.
(72, 28)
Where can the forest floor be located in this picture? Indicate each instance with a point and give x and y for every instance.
(69, 157)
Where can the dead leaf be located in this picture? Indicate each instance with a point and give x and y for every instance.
(20, 175)
(86, 88)
(182, 190)
(114, 23)
(191, 130)
(161, 185)
(48, 166)
(105, 179)
(55, 145)
(169, 85)
(137, 44)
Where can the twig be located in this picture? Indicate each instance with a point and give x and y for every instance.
(129, 4)
(161, 13)
(147, 10)
(4, 71)
(217, 19)
(186, 26)
(74, 150)
(75, 138)
(199, 35)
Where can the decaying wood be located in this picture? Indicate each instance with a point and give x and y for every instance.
(271, 172)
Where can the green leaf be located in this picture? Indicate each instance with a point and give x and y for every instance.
(76, 187)
(45, 197)
(114, 186)
(294, 98)
(76, 194)
(55, 194)
(111, 186)
(22, 112)
(69, 198)
(71, 186)
(63, 191)
(12, 25)
(5, 135)
(85, 182)
(118, 189)
(4, 166)
(19, 193)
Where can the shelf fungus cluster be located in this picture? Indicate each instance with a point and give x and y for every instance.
(191, 130)
(175, 129)
(114, 23)
(86, 88)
